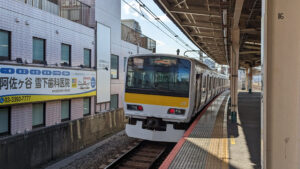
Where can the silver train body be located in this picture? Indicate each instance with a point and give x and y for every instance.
(164, 92)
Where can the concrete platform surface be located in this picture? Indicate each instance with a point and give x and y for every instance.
(213, 142)
(244, 146)
(205, 143)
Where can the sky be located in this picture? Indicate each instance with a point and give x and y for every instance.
(164, 43)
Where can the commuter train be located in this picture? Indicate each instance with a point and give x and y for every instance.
(164, 92)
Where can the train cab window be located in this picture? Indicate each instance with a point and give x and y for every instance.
(160, 75)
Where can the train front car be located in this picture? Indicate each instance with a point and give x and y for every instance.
(157, 97)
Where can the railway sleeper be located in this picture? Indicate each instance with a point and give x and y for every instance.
(141, 159)
(135, 164)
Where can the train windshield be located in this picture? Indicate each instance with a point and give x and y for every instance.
(158, 75)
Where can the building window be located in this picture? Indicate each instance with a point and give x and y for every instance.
(65, 110)
(86, 106)
(87, 58)
(114, 68)
(4, 45)
(39, 50)
(114, 101)
(38, 115)
(4, 120)
(125, 60)
(65, 55)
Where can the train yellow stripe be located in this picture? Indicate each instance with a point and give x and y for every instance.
(171, 101)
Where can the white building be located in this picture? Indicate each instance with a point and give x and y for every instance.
(40, 39)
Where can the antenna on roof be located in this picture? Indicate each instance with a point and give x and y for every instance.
(178, 51)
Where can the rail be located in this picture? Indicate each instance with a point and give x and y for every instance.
(143, 156)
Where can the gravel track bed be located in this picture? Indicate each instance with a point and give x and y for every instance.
(108, 150)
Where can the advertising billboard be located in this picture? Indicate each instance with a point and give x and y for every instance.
(20, 84)
(103, 63)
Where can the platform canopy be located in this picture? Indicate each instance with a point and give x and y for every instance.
(208, 24)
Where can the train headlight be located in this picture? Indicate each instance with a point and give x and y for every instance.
(176, 111)
(135, 107)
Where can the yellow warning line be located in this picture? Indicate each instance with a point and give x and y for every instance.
(218, 150)
(232, 140)
(225, 164)
(225, 154)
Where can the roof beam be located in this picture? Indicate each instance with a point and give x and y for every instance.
(251, 47)
(179, 3)
(194, 11)
(204, 36)
(252, 31)
(250, 52)
(202, 26)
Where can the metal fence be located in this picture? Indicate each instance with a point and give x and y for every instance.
(72, 10)
(134, 37)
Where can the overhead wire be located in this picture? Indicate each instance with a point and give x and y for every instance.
(152, 14)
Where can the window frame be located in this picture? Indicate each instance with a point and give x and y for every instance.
(70, 55)
(69, 118)
(9, 123)
(90, 102)
(125, 63)
(44, 54)
(118, 67)
(117, 102)
(90, 58)
(44, 116)
(3, 58)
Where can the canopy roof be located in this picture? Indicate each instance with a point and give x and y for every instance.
(208, 24)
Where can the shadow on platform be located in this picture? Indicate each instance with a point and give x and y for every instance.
(249, 115)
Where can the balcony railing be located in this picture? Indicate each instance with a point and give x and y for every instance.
(134, 37)
(72, 10)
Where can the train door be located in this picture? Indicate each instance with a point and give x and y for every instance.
(195, 110)
(213, 87)
(219, 84)
(222, 85)
(199, 79)
(203, 90)
(208, 88)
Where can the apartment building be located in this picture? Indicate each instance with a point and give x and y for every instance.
(49, 60)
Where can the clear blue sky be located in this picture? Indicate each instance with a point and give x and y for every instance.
(164, 44)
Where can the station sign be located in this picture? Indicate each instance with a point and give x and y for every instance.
(20, 84)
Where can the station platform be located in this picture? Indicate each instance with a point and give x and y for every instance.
(213, 142)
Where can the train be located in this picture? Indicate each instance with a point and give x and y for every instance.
(164, 92)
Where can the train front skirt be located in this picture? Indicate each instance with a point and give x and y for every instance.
(170, 135)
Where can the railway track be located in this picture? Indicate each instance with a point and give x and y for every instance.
(142, 156)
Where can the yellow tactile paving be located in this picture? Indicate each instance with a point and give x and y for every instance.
(218, 146)
(207, 146)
